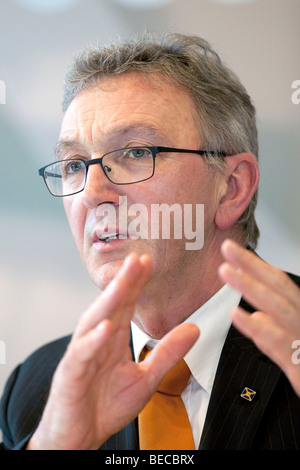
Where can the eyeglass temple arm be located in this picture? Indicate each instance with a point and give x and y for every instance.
(199, 152)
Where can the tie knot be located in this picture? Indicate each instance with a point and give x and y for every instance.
(175, 380)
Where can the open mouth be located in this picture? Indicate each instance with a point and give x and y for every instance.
(111, 236)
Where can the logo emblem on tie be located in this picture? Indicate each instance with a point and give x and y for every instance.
(248, 394)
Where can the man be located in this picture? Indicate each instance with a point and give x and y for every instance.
(187, 131)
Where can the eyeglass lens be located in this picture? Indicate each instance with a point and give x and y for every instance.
(121, 166)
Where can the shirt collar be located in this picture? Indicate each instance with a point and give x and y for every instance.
(213, 320)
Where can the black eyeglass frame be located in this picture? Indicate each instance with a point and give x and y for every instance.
(154, 151)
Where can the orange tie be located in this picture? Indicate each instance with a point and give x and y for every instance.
(164, 422)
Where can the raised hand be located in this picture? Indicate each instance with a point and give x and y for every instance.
(275, 326)
(97, 389)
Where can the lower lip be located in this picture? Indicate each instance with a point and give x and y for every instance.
(109, 246)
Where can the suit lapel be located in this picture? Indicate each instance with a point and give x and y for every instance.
(232, 421)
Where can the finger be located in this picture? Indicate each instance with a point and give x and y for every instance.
(250, 263)
(261, 296)
(132, 287)
(127, 306)
(272, 340)
(169, 351)
(125, 282)
(122, 290)
(136, 285)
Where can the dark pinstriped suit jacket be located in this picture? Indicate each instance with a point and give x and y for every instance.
(270, 421)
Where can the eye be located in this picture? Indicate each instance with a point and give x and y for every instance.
(137, 153)
(73, 166)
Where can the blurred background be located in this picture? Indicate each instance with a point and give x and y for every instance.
(43, 286)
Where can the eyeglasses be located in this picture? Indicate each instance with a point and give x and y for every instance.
(124, 166)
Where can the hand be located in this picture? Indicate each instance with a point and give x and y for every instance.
(275, 326)
(97, 389)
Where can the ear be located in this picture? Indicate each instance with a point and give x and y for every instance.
(240, 181)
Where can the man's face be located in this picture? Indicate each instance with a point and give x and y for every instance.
(124, 112)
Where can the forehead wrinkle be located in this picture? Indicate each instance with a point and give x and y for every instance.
(129, 130)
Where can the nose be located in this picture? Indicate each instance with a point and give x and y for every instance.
(99, 189)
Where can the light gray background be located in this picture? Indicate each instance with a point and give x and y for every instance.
(43, 286)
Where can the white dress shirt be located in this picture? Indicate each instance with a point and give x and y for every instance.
(213, 320)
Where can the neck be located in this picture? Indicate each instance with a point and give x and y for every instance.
(172, 309)
(166, 303)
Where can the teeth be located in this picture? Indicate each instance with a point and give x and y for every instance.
(109, 237)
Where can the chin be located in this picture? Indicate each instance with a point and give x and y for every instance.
(104, 274)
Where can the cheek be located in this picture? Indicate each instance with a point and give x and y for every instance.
(76, 215)
(202, 188)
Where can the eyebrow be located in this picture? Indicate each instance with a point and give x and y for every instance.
(148, 131)
(65, 144)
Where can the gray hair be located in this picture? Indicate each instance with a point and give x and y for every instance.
(225, 114)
